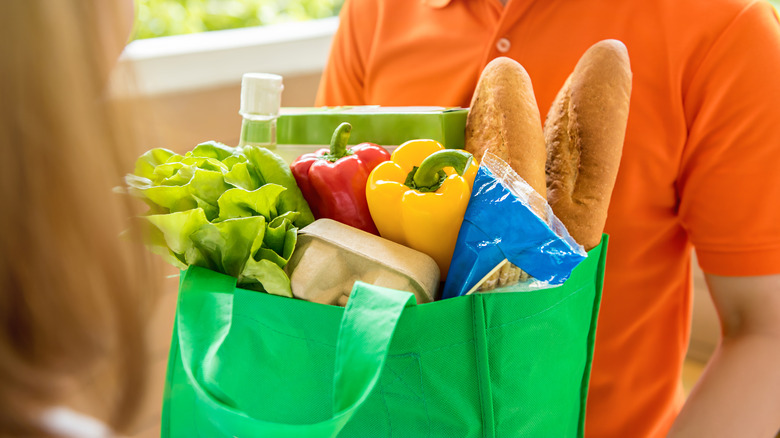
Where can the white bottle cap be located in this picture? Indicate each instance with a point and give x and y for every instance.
(261, 94)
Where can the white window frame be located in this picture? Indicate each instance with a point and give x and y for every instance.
(184, 63)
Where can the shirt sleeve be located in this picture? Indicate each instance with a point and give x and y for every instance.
(729, 181)
(343, 78)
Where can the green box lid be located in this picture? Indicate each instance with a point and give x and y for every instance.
(375, 124)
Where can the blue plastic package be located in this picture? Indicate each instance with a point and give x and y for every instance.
(507, 219)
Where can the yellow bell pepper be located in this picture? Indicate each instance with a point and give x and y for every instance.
(419, 197)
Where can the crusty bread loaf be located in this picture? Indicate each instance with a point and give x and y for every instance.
(504, 119)
(584, 132)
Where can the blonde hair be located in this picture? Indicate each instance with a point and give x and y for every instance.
(73, 294)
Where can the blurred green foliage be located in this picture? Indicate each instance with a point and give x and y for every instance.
(156, 18)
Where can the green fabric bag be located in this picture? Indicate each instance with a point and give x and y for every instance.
(247, 364)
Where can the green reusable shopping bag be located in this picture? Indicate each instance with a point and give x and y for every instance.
(248, 364)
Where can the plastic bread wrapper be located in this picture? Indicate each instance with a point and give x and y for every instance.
(508, 223)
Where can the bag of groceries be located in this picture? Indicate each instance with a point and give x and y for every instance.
(310, 300)
(248, 364)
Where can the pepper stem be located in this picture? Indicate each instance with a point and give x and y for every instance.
(428, 175)
(338, 143)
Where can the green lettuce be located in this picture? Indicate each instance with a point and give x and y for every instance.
(235, 211)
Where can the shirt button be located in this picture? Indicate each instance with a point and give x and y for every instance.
(503, 45)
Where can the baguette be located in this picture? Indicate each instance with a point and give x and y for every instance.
(504, 119)
(584, 132)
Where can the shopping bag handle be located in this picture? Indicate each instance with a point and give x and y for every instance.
(366, 331)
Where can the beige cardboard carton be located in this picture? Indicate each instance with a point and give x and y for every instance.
(331, 256)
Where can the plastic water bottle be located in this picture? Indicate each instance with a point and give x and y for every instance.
(261, 97)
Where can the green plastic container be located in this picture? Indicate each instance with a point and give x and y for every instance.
(388, 126)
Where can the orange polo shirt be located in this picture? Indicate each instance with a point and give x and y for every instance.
(699, 168)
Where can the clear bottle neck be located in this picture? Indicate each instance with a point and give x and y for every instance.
(258, 131)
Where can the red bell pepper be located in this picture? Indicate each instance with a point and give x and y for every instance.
(333, 181)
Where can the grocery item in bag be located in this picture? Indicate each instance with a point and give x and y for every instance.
(502, 221)
(418, 198)
(231, 210)
(584, 133)
(504, 119)
(333, 180)
(331, 256)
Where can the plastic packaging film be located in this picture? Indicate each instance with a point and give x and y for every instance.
(507, 220)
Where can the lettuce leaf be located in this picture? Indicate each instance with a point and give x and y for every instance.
(235, 211)
(146, 164)
(271, 168)
(242, 203)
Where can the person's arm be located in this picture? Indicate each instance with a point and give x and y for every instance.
(739, 392)
(729, 206)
